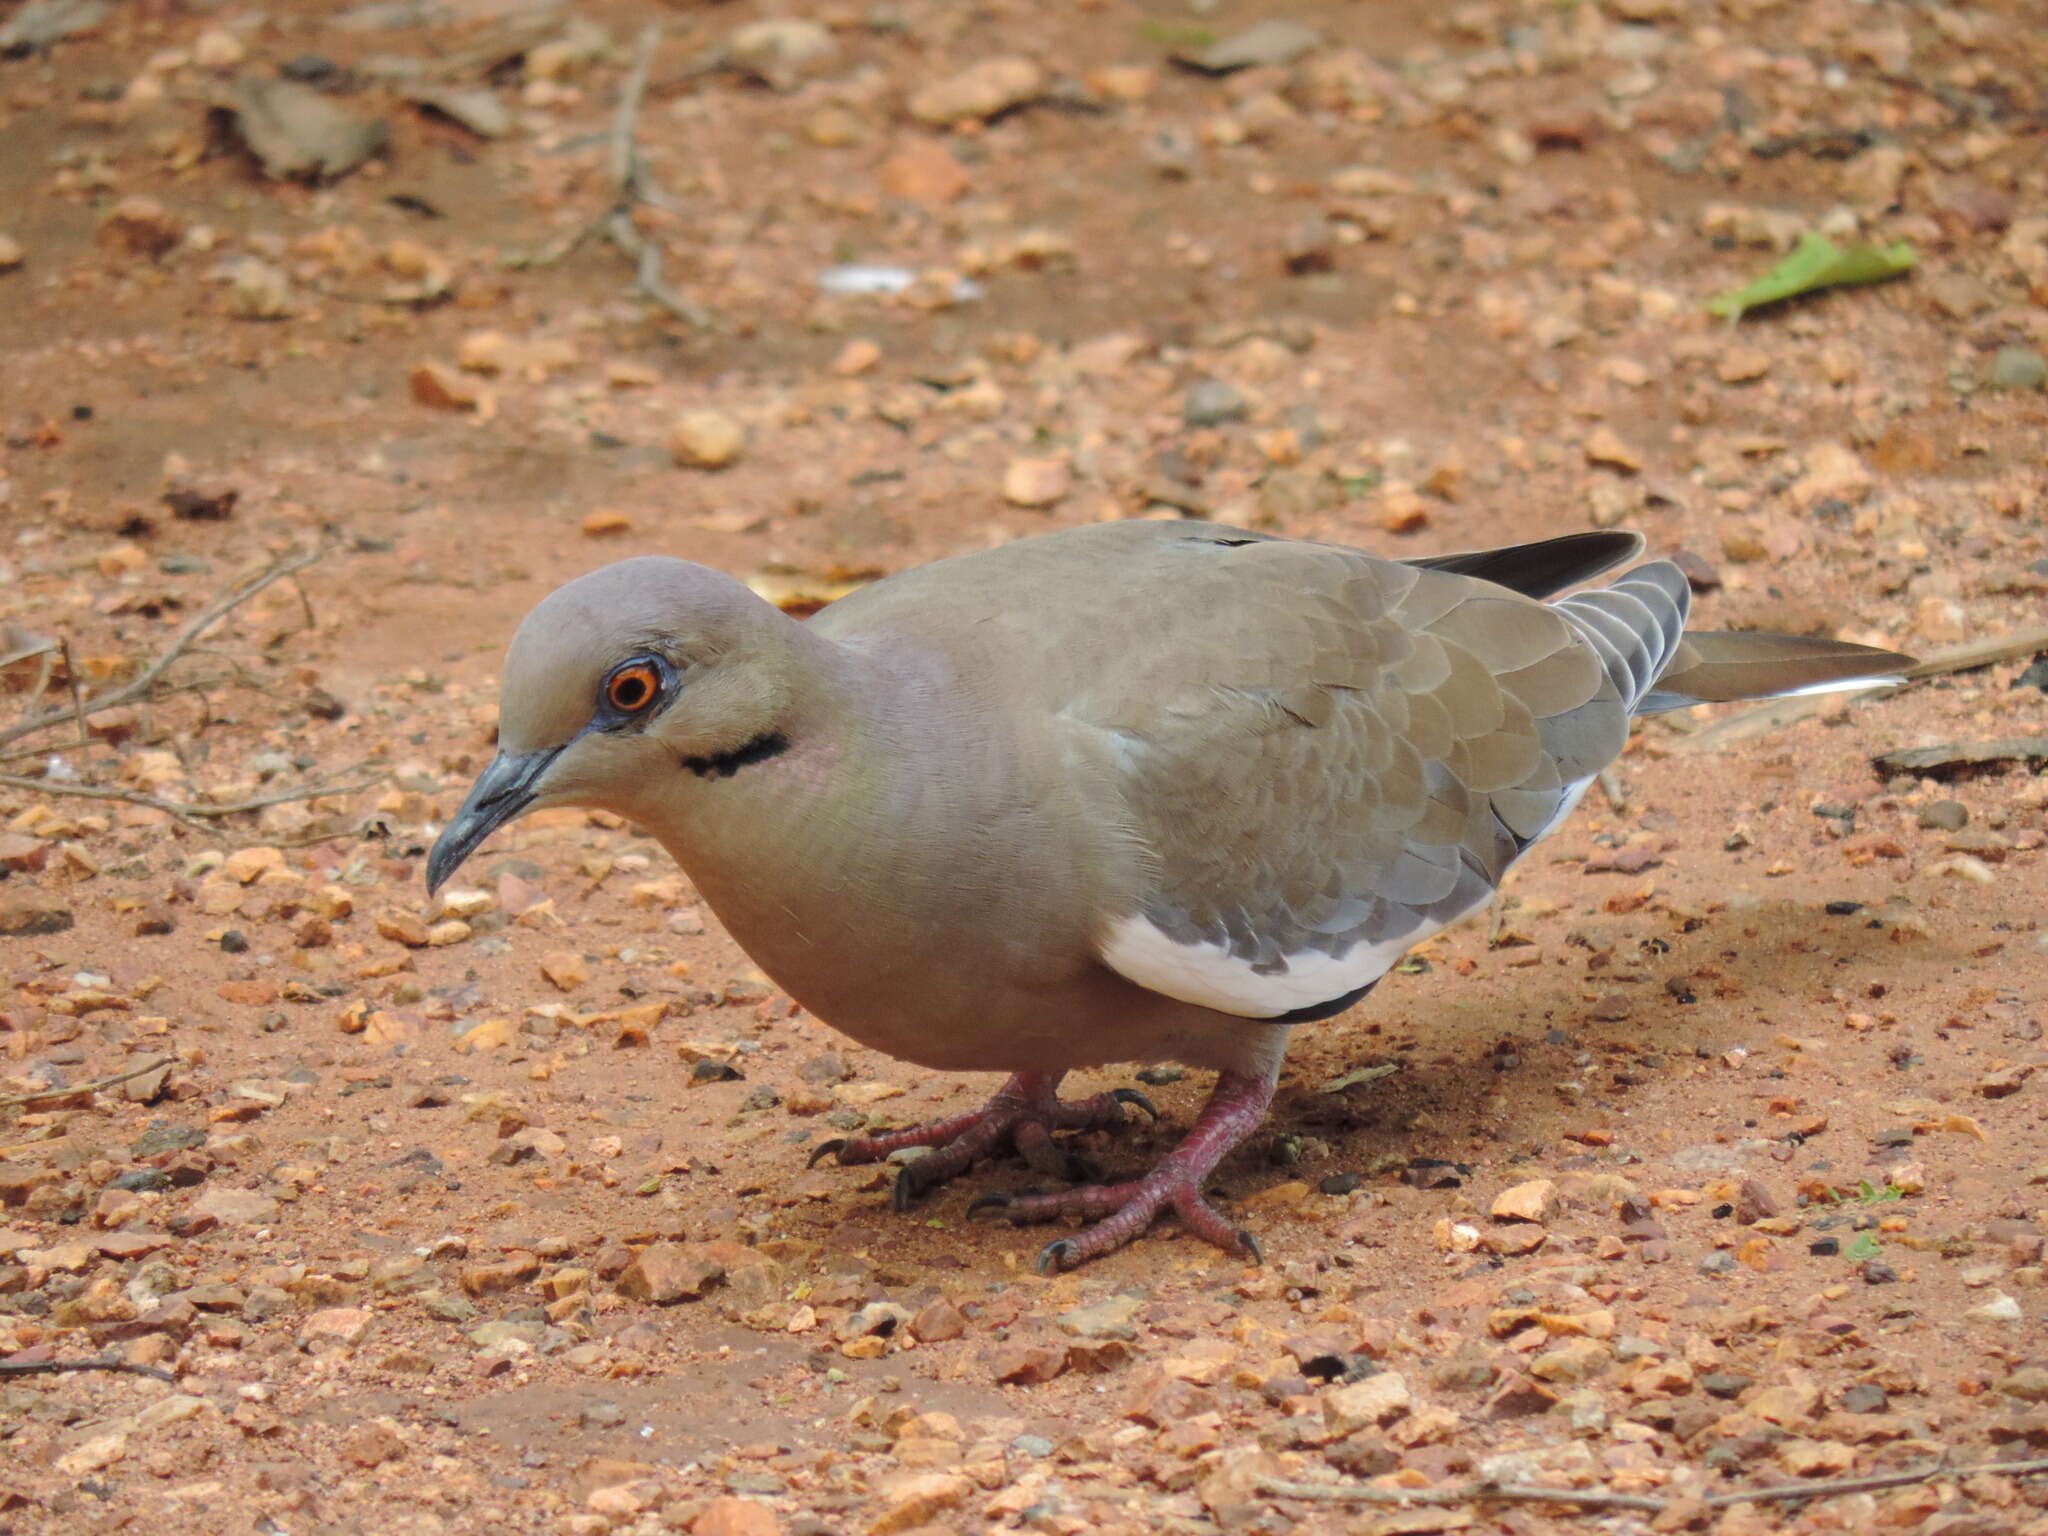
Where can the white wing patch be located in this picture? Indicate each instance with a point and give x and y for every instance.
(1210, 976)
(1573, 793)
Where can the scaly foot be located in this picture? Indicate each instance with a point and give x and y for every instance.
(1119, 1212)
(1023, 1115)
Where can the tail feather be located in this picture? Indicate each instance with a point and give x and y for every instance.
(1636, 624)
(1715, 667)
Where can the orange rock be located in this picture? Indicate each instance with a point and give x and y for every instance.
(564, 969)
(736, 1517)
(441, 387)
(1534, 1200)
(924, 172)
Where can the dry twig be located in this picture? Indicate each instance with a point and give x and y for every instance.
(146, 680)
(1464, 1493)
(1833, 1487)
(92, 1087)
(630, 188)
(1597, 1498)
(1615, 791)
(55, 1367)
(148, 685)
(191, 814)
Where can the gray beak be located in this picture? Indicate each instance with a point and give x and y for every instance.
(500, 793)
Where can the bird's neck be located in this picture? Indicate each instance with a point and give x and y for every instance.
(782, 834)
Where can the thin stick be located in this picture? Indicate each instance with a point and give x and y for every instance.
(1615, 791)
(1595, 1498)
(148, 734)
(630, 186)
(647, 271)
(44, 673)
(568, 245)
(146, 680)
(77, 695)
(53, 1367)
(1829, 1489)
(421, 301)
(1980, 653)
(192, 815)
(625, 155)
(93, 1087)
(1528, 1493)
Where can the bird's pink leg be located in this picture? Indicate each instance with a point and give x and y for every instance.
(1023, 1114)
(1119, 1212)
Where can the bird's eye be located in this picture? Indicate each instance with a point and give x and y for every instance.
(632, 688)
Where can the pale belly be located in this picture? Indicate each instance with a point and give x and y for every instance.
(935, 1003)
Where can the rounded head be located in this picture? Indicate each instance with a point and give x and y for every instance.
(622, 684)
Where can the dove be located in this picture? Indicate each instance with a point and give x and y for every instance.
(1137, 792)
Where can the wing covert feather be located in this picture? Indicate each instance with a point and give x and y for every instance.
(1337, 754)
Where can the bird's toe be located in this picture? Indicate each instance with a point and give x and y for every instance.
(907, 1188)
(1135, 1099)
(1056, 1255)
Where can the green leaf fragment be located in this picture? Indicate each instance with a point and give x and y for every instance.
(1865, 1247)
(1816, 262)
(1177, 34)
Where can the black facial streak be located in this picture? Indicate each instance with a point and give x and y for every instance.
(723, 765)
(1314, 1011)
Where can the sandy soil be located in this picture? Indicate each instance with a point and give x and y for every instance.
(493, 1215)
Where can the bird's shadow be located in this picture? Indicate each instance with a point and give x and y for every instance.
(1508, 1060)
(1479, 1058)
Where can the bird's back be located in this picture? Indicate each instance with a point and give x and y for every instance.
(1316, 755)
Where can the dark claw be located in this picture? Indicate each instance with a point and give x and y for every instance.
(1133, 1097)
(906, 1190)
(1250, 1245)
(1054, 1256)
(826, 1149)
(988, 1203)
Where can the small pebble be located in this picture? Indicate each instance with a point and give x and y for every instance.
(1944, 815)
(1212, 403)
(2017, 368)
(707, 440)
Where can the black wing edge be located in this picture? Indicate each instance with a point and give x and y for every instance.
(1545, 567)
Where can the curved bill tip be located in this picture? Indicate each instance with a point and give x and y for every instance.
(500, 793)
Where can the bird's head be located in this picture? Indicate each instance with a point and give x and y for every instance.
(621, 683)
